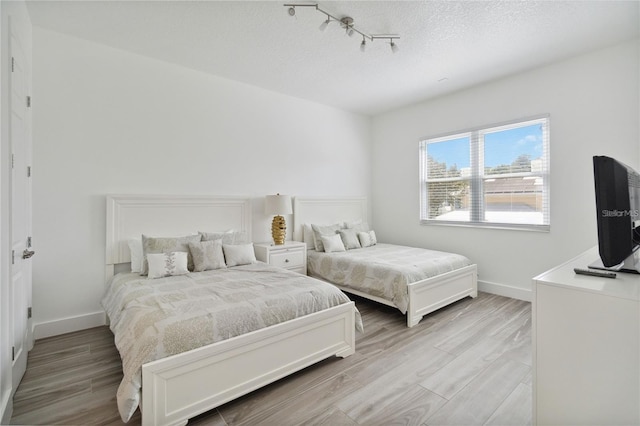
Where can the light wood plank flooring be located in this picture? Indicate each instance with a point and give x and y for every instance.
(466, 364)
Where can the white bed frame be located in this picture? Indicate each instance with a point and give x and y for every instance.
(182, 386)
(425, 296)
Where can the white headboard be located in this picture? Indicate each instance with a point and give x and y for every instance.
(325, 211)
(130, 216)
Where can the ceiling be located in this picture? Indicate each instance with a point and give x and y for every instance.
(444, 46)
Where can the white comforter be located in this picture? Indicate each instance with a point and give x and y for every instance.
(383, 270)
(152, 319)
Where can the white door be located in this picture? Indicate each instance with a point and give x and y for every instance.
(20, 139)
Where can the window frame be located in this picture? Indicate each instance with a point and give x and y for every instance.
(478, 177)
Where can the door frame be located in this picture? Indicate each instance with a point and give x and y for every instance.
(14, 17)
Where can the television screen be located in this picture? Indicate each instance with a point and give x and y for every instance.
(617, 190)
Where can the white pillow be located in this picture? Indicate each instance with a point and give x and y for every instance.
(332, 243)
(307, 236)
(367, 239)
(167, 264)
(135, 248)
(238, 254)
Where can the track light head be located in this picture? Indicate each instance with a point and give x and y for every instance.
(292, 11)
(324, 24)
(394, 47)
(363, 45)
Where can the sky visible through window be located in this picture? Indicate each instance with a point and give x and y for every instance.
(501, 147)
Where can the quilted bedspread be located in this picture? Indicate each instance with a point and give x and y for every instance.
(156, 318)
(383, 270)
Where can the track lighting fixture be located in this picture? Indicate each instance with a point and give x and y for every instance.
(347, 23)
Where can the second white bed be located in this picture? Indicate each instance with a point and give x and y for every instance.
(384, 270)
(414, 280)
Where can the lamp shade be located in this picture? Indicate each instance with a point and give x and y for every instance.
(277, 205)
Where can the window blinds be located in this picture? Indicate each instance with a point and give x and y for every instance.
(492, 176)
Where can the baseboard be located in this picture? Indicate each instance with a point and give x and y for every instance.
(505, 290)
(69, 325)
(6, 410)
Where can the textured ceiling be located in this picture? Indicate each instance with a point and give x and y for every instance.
(444, 46)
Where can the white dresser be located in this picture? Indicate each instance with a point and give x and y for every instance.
(586, 347)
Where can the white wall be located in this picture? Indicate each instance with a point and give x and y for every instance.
(594, 103)
(107, 121)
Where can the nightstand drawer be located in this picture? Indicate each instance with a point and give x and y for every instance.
(288, 259)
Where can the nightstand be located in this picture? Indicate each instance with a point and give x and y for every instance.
(291, 255)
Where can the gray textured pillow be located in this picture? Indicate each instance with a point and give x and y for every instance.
(227, 237)
(207, 255)
(358, 225)
(167, 245)
(326, 230)
(349, 238)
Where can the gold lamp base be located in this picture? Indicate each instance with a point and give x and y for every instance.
(278, 230)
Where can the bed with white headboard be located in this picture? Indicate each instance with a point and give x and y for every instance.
(184, 385)
(424, 296)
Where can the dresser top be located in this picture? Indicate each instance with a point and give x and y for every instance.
(625, 285)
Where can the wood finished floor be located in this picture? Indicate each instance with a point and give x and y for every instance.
(466, 364)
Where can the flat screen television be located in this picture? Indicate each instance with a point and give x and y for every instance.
(617, 189)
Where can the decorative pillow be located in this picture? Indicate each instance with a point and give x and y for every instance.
(166, 245)
(349, 238)
(167, 264)
(307, 236)
(332, 243)
(227, 237)
(320, 230)
(135, 248)
(239, 254)
(367, 239)
(207, 255)
(358, 225)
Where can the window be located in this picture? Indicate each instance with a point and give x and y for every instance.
(496, 176)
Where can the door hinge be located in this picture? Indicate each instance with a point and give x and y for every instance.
(28, 242)
(29, 312)
(13, 160)
(28, 101)
(13, 64)
(13, 353)
(13, 257)
(28, 171)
